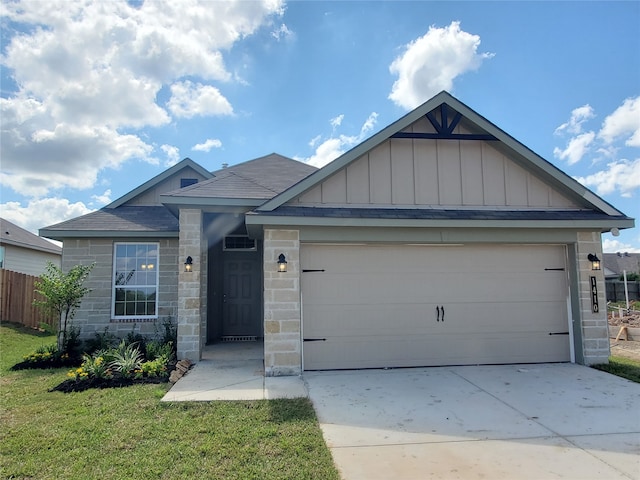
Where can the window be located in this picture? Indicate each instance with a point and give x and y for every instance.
(239, 242)
(135, 280)
(185, 182)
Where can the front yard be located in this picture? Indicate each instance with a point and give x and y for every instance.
(127, 433)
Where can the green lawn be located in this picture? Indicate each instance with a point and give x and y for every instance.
(622, 367)
(128, 433)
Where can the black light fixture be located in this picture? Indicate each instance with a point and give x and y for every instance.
(595, 261)
(282, 263)
(188, 264)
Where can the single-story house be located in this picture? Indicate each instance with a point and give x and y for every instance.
(24, 252)
(615, 265)
(440, 240)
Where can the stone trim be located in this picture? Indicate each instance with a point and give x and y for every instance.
(282, 312)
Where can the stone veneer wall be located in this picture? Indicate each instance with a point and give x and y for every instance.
(282, 327)
(94, 314)
(595, 330)
(192, 289)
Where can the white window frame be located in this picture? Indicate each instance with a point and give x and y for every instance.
(114, 287)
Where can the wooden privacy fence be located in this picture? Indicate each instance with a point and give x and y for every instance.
(17, 292)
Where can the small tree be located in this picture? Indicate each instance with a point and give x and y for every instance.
(63, 294)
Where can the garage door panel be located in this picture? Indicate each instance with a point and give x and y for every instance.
(376, 305)
(421, 351)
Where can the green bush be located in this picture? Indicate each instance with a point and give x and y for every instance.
(126, 359)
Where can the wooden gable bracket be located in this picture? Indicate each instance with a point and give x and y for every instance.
(444, 130)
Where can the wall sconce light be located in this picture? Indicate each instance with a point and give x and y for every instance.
(188, 264)
(282, 263)
(595, 261)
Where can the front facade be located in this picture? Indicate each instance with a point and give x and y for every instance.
(438, 241)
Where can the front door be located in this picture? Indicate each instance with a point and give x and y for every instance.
(242, 299)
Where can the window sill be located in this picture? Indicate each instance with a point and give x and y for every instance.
(134, 320)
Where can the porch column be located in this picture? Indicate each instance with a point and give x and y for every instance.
(282, 328)
(595, 329)
(190, 290)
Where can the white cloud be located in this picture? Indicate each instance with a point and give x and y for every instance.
(337, 121)
(189, 100)
(207, 145)
(576, 149)
(282, 32)
(623, 122)
(622, 175)
(431, 63)
(103, 199)
(614, 246)
(42, 213)
(173, 154)
(578, 117)
(333, 147)
(85, 71)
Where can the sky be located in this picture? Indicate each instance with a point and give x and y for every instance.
(96, 98)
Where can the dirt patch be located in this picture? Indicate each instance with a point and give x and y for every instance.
(626, 349)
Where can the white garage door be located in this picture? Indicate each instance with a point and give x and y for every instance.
(373, 306)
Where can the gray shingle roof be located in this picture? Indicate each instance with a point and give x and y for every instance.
(261, 178)
(618, 262)
(125, 219)
(12, 234)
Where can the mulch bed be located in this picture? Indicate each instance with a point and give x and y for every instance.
(50, 363)
(72, 385)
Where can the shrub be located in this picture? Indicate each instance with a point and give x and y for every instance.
(154, 368)
(126, 359)
(156, 350)
(101, 341)
(97, 365)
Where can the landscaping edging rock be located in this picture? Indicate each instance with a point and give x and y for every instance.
(182, 367)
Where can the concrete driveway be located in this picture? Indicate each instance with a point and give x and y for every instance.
(485, 422)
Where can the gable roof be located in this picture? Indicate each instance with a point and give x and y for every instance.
(187, 162)
(619, 262)
(12, 234)
(246, 184)
(482, 128)
(126, 221)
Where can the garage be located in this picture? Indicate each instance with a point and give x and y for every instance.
(377, 306)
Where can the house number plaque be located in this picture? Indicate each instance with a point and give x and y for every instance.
(594, 296)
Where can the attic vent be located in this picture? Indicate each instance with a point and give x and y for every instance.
(185, 182)
(238, 243)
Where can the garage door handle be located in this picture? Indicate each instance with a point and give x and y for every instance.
(442, 320)
(314, 340)
(439, 312)
(558, 333)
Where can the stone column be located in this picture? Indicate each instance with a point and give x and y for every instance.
(595, 328)
(190, 285)
(282, 327)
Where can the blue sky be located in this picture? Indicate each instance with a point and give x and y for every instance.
(98, 97)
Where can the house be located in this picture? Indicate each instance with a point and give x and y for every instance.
(22, 251)
(615, 265)
(440, 240)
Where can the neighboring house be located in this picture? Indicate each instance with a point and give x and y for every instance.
(22, 251)
(615, 264)
(440, 240)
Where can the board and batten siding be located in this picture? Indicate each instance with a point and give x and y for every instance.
(419, 172)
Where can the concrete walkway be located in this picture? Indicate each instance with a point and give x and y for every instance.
(233, 371)
(486, 422)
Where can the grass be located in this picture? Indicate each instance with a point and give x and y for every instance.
(622, 367)
(127, 433)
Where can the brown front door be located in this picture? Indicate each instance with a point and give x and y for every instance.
(242, 301)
